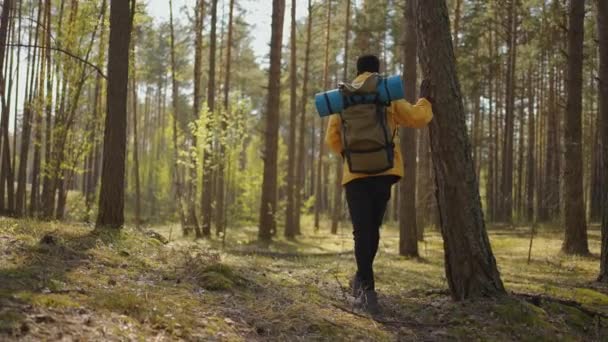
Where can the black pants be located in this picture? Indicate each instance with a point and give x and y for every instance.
(367, 199)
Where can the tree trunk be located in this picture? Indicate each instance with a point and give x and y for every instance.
(135, 140)
(506, 185)
(177, 179)
(268, 201)
(575, 241)
(337, 207)
(6, 167)
(602, 30)
(199, 14)
(221, 193)
(300, 169)
(408, 236)
(207, 190)
(291, 145)
(320, 169)
(111, 198)
(20, 197)
(470, 265)
(531, 161)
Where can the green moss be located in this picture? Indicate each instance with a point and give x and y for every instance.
(51, 300)
(122, 302)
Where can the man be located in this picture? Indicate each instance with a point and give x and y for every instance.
(368, 193)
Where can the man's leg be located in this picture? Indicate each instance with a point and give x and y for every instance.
(381, 196)
(360, 205)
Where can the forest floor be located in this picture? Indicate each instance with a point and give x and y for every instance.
(63, 281)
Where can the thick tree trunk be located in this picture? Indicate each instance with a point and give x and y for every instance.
(602, 30)
(268, 201)
(471, 269)
(408, 236)
(300, 169)
(111, 198)
(291, 145)
(575, 241)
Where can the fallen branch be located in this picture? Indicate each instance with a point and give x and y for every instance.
(537, 300)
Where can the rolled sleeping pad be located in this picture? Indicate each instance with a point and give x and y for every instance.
(332, 102)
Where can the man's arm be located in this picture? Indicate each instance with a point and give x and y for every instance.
(413, 116)
(333, 137)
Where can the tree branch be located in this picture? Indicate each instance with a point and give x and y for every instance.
(82, 60)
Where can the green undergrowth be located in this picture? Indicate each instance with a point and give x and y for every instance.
(62, 280)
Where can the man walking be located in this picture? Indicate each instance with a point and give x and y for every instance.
(365, 135)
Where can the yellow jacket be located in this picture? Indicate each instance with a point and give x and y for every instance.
(400, 113)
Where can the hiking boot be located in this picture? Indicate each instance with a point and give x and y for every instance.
(368, 301)
(356, 285)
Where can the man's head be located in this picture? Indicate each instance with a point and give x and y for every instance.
(368, 63)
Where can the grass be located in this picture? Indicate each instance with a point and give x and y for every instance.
(97, 285)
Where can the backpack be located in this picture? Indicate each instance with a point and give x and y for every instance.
(368, 145)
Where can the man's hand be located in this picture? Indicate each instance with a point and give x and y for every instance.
(427, 90)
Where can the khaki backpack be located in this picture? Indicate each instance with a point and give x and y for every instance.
(368, 144)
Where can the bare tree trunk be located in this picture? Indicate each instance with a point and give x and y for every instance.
(506, 185)
(575, 241)
(408, 236)
(531, 160)
(320, 173)
(177, 179)
(6, 167)
(135, 139)
(300, 169)
(199, 14)
(602, 29)
(20, 204)
(470, 265)
(221, 193)
(207, 191)
(111, 199)
(268, 201)
(291, 145)
(337, 207)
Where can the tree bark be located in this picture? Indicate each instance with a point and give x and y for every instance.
(269, 186)
(337, 207)
(506, 185)
(602, 30)
(291, 145)
(300, 169)
(135, 117)
(207, 193)
(221, 193)
(575, 241)
(471, 269)
(531, 161)
(111, 198)
(177, 178)
(320, 174)
(408, 236)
